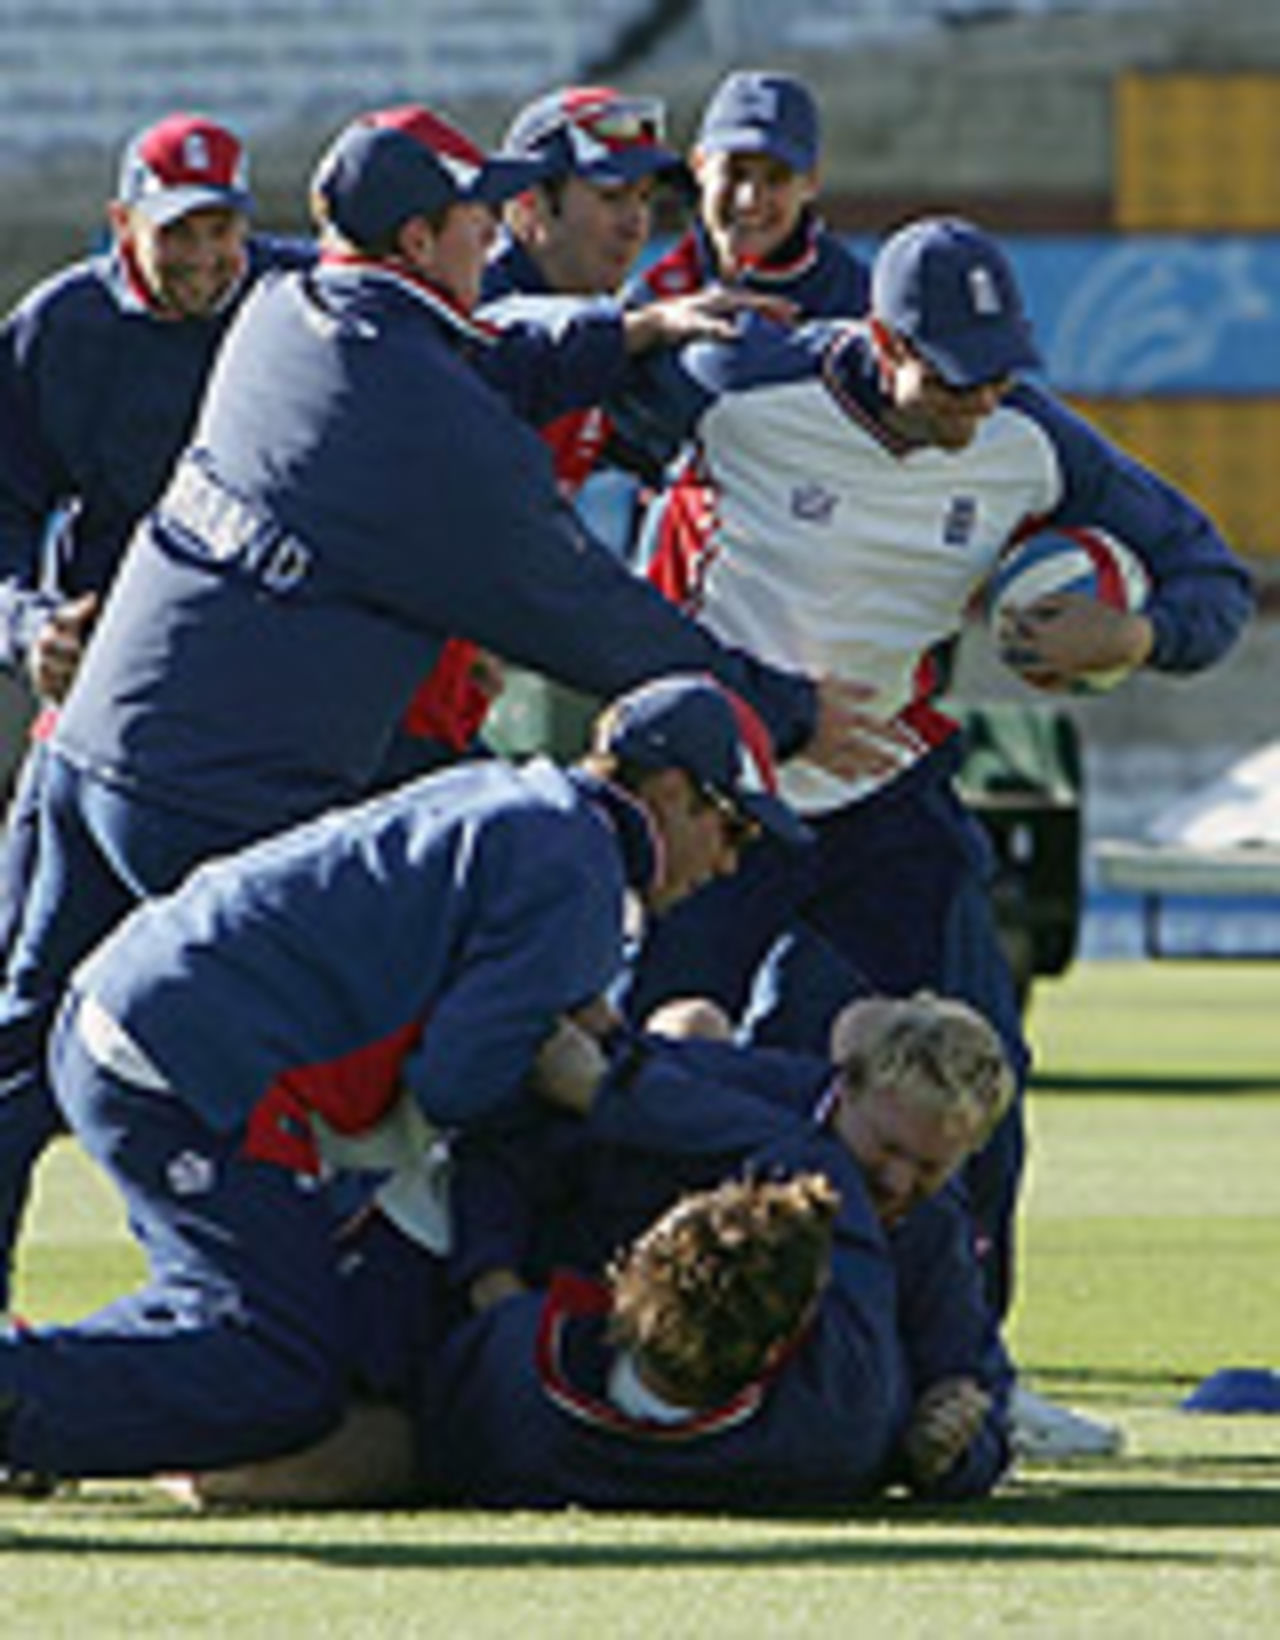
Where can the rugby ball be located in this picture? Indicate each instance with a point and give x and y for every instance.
(1091, 562)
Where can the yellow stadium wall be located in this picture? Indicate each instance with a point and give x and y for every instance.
(1197, 152)
(1200, 154)
(1224, 452)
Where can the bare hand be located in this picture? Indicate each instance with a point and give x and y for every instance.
(599, 1018)
(946, 1420)
(488, 674)
(1066, 636)
(690, 1019)
(494, 1286)
(710, 314)
(55, 654)
(850, 741)
(569, 1068)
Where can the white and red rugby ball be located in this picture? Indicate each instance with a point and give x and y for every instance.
(1087, 561)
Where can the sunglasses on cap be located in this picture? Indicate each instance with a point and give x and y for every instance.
(623, 120)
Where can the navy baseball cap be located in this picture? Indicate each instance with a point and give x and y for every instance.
(406, 161)
(691, 722)
(751, 112)
(948, 289)
(181, 164)
(594, 132)
(1236, 1390)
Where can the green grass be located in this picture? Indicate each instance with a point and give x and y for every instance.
(1151, 1256)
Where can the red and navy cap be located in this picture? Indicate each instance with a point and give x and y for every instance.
(689, 721)
(399, 162)
(184, 163)
(594, 132)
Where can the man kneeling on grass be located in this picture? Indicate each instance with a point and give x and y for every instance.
(222, 1046)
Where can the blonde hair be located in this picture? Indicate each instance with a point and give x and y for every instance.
(937, 1052)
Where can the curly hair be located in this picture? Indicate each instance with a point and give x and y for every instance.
(705, 1298)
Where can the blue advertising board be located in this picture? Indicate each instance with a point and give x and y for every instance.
(1152, 314)
(1155, 314)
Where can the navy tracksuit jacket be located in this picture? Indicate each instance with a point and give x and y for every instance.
(418, 947)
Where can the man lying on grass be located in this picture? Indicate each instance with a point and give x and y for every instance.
(753, 1380)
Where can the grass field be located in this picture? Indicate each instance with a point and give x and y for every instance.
(1151, 1256)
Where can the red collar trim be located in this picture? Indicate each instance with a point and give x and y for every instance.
(571, 1298)
(833, 380)
(804, 259)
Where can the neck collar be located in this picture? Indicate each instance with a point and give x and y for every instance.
(395, 275)
(794, 257)
(632, 1396)
(851, 372)
(513, 270)
(572, 1299)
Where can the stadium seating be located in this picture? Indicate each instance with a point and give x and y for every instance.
(82, 72)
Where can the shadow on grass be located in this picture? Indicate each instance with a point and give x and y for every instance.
(824, 1551)
(1061, 1502)
(1075, 1379)
(1152, 1082)
(1023, 1526)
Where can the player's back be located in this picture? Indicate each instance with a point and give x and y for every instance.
(278, 607)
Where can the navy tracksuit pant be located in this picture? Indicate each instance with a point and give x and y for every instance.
(235, 1348)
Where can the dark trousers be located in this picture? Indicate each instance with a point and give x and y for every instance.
(233, 1350)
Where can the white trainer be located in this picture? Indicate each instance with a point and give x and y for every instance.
(1041, 1429)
